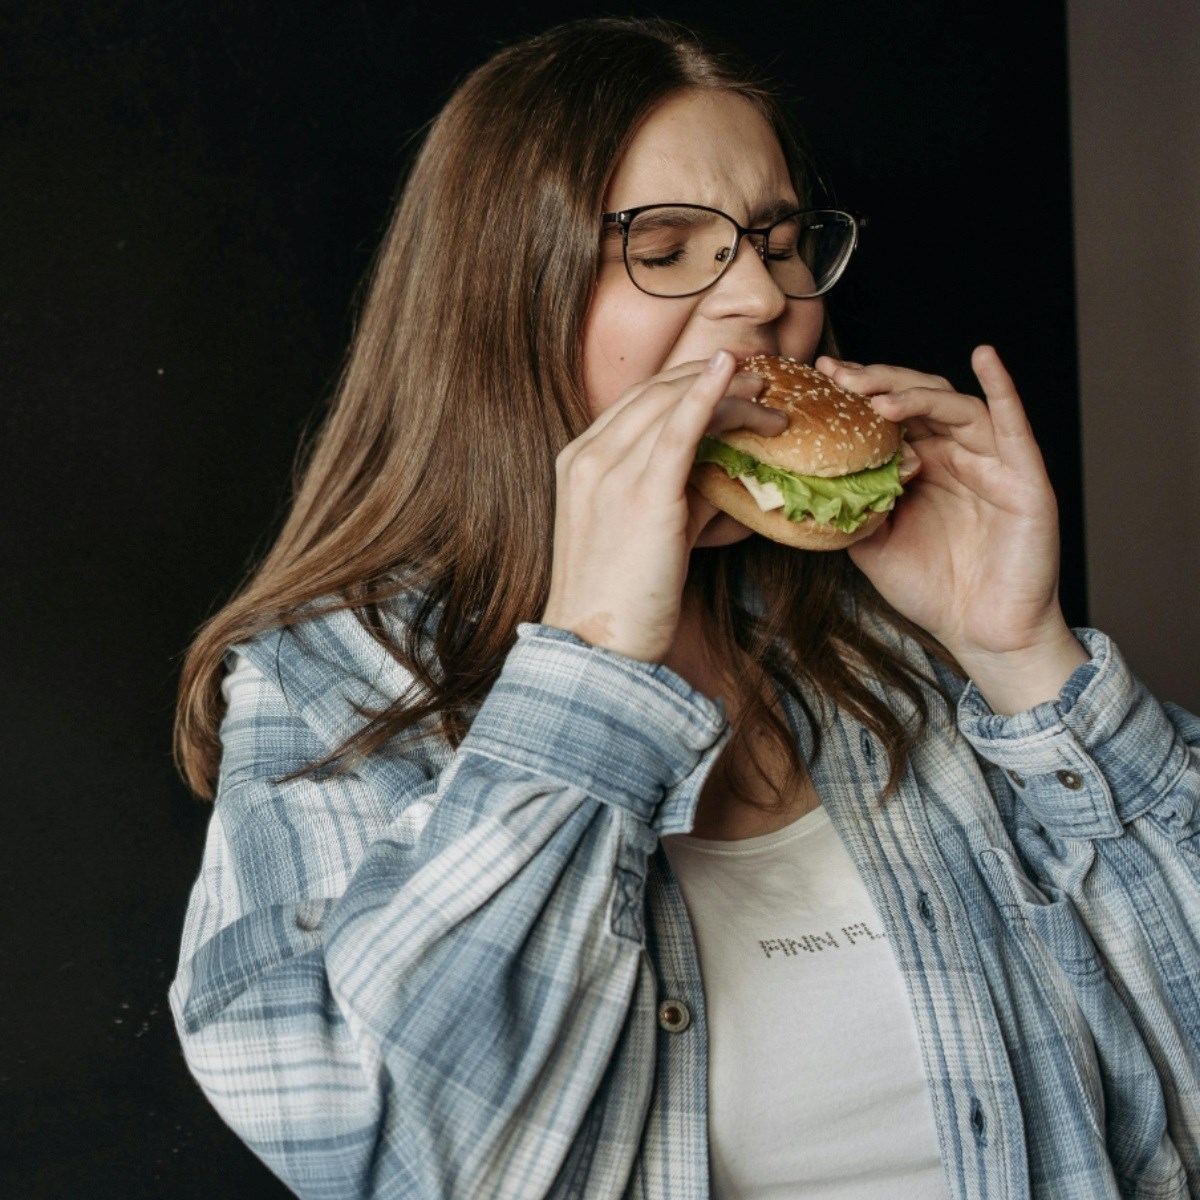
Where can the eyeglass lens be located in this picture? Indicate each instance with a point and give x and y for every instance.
(675, 251)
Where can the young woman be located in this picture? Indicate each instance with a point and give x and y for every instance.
(570, 840)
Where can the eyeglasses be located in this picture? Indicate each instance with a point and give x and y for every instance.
(674, 250)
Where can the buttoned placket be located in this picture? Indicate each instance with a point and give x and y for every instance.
(682, 1021)
(968, 1070)
(972, 1089)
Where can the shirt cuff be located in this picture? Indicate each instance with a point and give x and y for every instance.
(1090, 761)
(633, 734)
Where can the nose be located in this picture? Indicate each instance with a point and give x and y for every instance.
(746, 287)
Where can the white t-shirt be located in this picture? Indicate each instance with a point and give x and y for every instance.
(815, 1087)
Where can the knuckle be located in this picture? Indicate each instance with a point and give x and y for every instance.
(585, 467)
(673, 440)
(565, 463)
(639, 492)
(652, 386)
(702, 394)
(630, 395)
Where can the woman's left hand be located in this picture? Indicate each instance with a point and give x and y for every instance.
(970, 552)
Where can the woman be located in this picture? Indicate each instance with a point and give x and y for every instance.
(652, 858)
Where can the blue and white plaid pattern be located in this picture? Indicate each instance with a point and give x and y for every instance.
(439, 976)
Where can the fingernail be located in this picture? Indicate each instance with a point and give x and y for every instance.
(716, 362)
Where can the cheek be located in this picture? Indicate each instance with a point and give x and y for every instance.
(800, 329)
(627, 337)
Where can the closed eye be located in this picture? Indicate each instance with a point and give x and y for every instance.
(668, 260)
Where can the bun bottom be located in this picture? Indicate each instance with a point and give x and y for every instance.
(730, 496)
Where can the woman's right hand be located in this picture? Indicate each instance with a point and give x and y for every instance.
(625, 520)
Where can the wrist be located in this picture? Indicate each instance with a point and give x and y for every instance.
(599, 630)
(1012, 681)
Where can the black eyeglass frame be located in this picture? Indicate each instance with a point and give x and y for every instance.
(625, 218)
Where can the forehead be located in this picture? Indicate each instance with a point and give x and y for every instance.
(711, 148)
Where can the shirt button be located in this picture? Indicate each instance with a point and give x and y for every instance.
(1069, 780)
(674, 1016)
(1017, 779)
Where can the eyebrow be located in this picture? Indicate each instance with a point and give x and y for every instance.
(767, 213)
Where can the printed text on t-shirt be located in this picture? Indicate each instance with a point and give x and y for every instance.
(815, 943)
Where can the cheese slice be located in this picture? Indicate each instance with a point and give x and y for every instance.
(766, 495)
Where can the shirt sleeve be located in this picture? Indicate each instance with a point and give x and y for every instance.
(429, 980)
(1106, 782)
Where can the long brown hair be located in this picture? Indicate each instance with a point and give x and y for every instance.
(434, 466)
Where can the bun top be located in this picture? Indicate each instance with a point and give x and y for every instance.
(830, 431)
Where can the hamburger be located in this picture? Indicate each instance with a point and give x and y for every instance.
(828, 480)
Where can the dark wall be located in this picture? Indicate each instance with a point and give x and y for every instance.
(1135, 116)
(189, 197)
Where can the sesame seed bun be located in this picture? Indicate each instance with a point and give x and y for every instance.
(830, 432)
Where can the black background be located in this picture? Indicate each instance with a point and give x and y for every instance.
(191, 194)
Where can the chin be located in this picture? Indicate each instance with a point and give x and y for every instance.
(722, 530)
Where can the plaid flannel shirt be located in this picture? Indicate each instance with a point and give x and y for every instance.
(440, 975)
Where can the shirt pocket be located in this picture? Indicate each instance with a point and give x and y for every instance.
(1064, 964)
(1096, 1028)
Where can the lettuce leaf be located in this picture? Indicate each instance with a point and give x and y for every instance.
(844, 502)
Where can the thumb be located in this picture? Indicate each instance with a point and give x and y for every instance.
(701, 510)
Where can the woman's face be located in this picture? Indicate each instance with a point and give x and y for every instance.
(710, 148)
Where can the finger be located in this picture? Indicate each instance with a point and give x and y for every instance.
(679, 371)
(630, 416)
(879, 377)
(727, 415)
(671, 454)
(910, 462)
(630, 394)
(730, 412)
(1015, 443)
(916, 430)
(733, 412)
(701, 510)
(827, 364)
(945, 414)
(632, 427)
